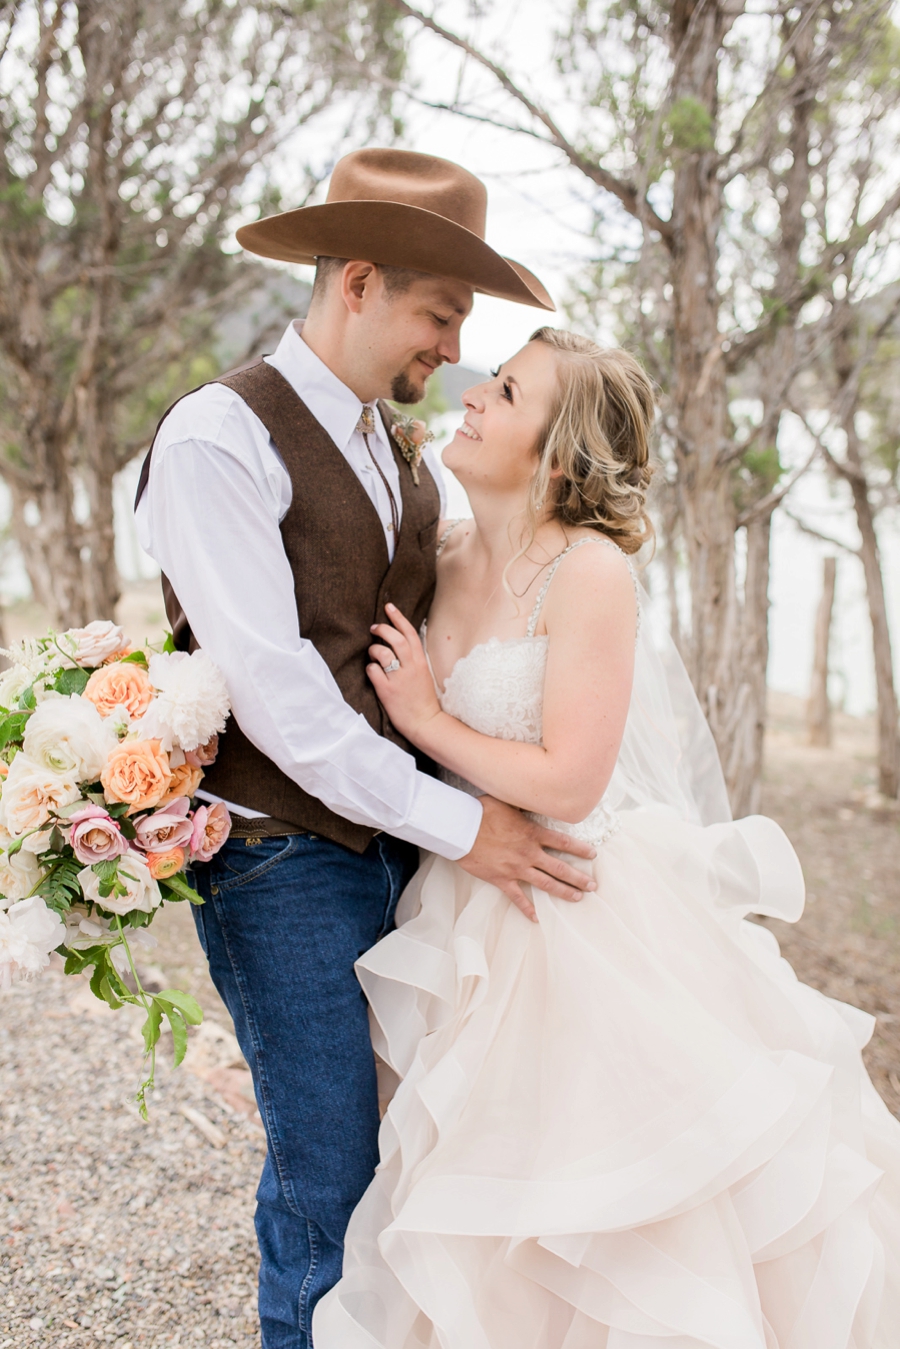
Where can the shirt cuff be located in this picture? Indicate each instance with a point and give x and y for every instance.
(443, 820)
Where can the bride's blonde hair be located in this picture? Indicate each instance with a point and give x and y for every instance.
(598, 435)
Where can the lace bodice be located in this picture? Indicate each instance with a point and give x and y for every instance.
(498, 690)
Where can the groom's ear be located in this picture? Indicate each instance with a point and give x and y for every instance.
(357, 279)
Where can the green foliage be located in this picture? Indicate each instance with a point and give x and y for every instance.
(61, 888)
(688, 129)
(764, 465)
(169, 644)
(27, 700)
(176, 888)
(179, 1009)
(110, 884)
(71, 680)
(12, 727)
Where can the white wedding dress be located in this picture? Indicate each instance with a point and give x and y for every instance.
(627, 1126)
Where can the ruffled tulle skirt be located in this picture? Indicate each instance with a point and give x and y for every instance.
(627, 1126)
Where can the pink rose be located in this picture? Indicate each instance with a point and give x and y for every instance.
(418, 431)
(95, 836)
(212, 825)
(167, 828)
(203, 755)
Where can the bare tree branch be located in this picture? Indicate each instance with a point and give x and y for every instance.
(624, 192)
(819, 534)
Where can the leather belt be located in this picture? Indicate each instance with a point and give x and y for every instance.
(263, 826)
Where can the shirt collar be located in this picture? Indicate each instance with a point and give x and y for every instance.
(334, 406)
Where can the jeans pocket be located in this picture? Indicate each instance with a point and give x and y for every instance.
(241, 861)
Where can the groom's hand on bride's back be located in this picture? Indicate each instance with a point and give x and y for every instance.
(511, 851)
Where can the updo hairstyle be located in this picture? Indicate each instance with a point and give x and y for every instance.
(598, 434)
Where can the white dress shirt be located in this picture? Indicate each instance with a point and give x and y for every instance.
(210, 518)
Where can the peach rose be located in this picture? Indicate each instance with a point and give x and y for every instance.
(212, 825)
(162, 865)
(119, 685)
(137, 771)
(184, 781)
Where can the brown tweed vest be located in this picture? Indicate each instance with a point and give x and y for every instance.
(335, 544)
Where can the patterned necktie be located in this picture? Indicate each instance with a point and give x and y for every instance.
(366, 427)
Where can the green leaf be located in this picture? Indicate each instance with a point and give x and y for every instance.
(12, 728)
(169, 646)
(107, 993)
(61, 888)
(189, 1007)
(15, 846)
(117, 809)
(179, 1035)
(97, 979)
(27, 699)
(151, 1027)
(180, 888)
(76, 961)
(71, 680)
(108, 873)
(135, 658)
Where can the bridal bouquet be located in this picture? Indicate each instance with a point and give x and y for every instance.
(102, 748)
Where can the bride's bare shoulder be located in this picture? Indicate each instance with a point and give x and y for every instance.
(452, 536)
(592, 583)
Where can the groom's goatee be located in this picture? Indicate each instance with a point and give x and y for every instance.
(404, 391)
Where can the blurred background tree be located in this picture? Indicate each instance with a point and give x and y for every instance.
(741, 162)
(133, 134)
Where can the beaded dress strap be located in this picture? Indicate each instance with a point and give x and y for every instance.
(442, 541)
(542, 593)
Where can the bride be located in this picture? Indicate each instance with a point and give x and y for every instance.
(624, 1123)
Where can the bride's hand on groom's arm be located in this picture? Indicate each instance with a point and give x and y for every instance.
(510, 851)
(407, 694)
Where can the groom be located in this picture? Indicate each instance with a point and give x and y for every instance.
(284, 516)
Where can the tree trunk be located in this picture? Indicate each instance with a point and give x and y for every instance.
(742, 711)
(50, 541)
(818, 708)
(98, 553)
(699, 397)
(888, 731)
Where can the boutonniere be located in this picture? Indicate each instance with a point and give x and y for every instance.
(412, 435)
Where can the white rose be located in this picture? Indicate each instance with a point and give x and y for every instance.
(19, 874)
(92, 645)
(192, 700)
(31, 793)
(143, 892)
(29, 931)
(68, 736)
(13, 683)
(85, 929)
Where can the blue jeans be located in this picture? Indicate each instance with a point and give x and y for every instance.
(283, 921)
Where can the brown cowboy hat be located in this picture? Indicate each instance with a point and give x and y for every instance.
(399, 209)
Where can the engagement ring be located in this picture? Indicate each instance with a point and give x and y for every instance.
(394, 665)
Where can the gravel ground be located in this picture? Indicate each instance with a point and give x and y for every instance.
(117, 1232)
